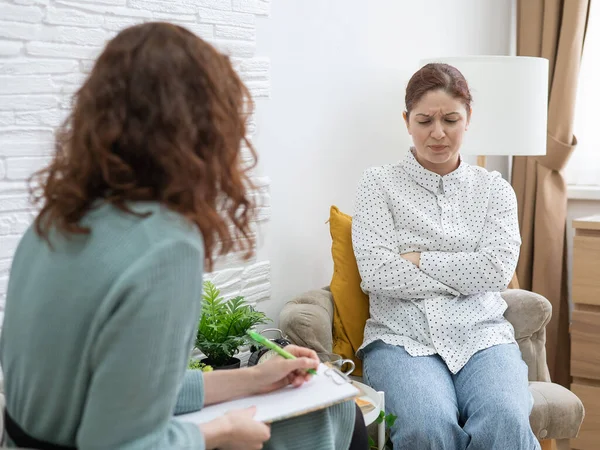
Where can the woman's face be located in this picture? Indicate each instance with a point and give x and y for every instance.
(437, 124)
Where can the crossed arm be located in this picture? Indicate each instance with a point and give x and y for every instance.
(385, 271)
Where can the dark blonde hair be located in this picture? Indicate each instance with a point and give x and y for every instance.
(162, 117)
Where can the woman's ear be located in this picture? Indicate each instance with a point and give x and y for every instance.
(405, 117)
(469, 114)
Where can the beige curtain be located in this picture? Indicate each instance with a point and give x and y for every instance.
(552, 29)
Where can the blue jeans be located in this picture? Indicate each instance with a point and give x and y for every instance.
(485, 406)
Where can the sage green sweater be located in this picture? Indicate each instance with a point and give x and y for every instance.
(97, 335)
(98, 331)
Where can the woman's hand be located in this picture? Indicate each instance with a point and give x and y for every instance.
(279, 372)
(236, 430)
(413, 257)
(223, 385)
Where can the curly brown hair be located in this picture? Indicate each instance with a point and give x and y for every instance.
(162, 117)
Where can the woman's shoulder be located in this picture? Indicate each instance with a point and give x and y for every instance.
(383, 170)
(493, 179)
(145, 227)
(382, 173)
(162, 226)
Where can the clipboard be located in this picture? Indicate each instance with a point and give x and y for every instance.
(327, 388)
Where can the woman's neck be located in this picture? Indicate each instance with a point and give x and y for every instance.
(441, 169)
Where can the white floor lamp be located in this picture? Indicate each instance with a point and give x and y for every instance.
(510, 104)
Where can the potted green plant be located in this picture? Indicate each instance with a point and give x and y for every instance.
(197, 365)
(222, 327)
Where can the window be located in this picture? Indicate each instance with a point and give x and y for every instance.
(583, 169)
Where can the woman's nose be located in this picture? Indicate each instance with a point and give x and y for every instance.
(438, 131)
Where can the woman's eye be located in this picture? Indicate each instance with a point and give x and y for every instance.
(425, 122)
(451, 121)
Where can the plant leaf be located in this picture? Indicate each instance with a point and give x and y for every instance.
(223, 324)
(372, 444)
(390, 420)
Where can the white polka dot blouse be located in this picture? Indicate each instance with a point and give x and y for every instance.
(465, 226)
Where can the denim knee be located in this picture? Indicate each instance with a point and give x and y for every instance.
(506, 411)
(431, 431)
(502, 423)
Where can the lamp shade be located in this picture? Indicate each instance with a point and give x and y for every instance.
(510, 103)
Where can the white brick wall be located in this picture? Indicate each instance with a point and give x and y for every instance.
(46, 49)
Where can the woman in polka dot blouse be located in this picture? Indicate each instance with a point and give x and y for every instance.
(436, 241)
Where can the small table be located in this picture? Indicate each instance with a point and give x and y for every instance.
(377, 398)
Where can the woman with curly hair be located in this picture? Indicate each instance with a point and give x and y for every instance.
(145, 189)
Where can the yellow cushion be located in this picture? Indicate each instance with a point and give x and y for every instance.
(351, 304)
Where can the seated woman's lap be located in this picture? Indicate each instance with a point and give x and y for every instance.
(485, 406)
(420, 392)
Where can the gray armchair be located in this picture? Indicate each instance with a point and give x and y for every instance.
(557, 412)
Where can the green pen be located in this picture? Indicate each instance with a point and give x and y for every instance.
(260, 339)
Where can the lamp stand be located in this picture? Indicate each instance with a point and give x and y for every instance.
(481, 160)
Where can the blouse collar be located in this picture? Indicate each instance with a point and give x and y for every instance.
(431, 181)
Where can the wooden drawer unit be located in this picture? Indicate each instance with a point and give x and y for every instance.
(585, 345)
(586, 267)
(585, 329)
(589, 435)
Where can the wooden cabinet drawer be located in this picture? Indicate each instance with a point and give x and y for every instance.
(586, 269)
(589, 435)
(585, 345)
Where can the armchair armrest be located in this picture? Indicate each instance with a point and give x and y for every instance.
(529, 313)
(557, 412)
(307, 320)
